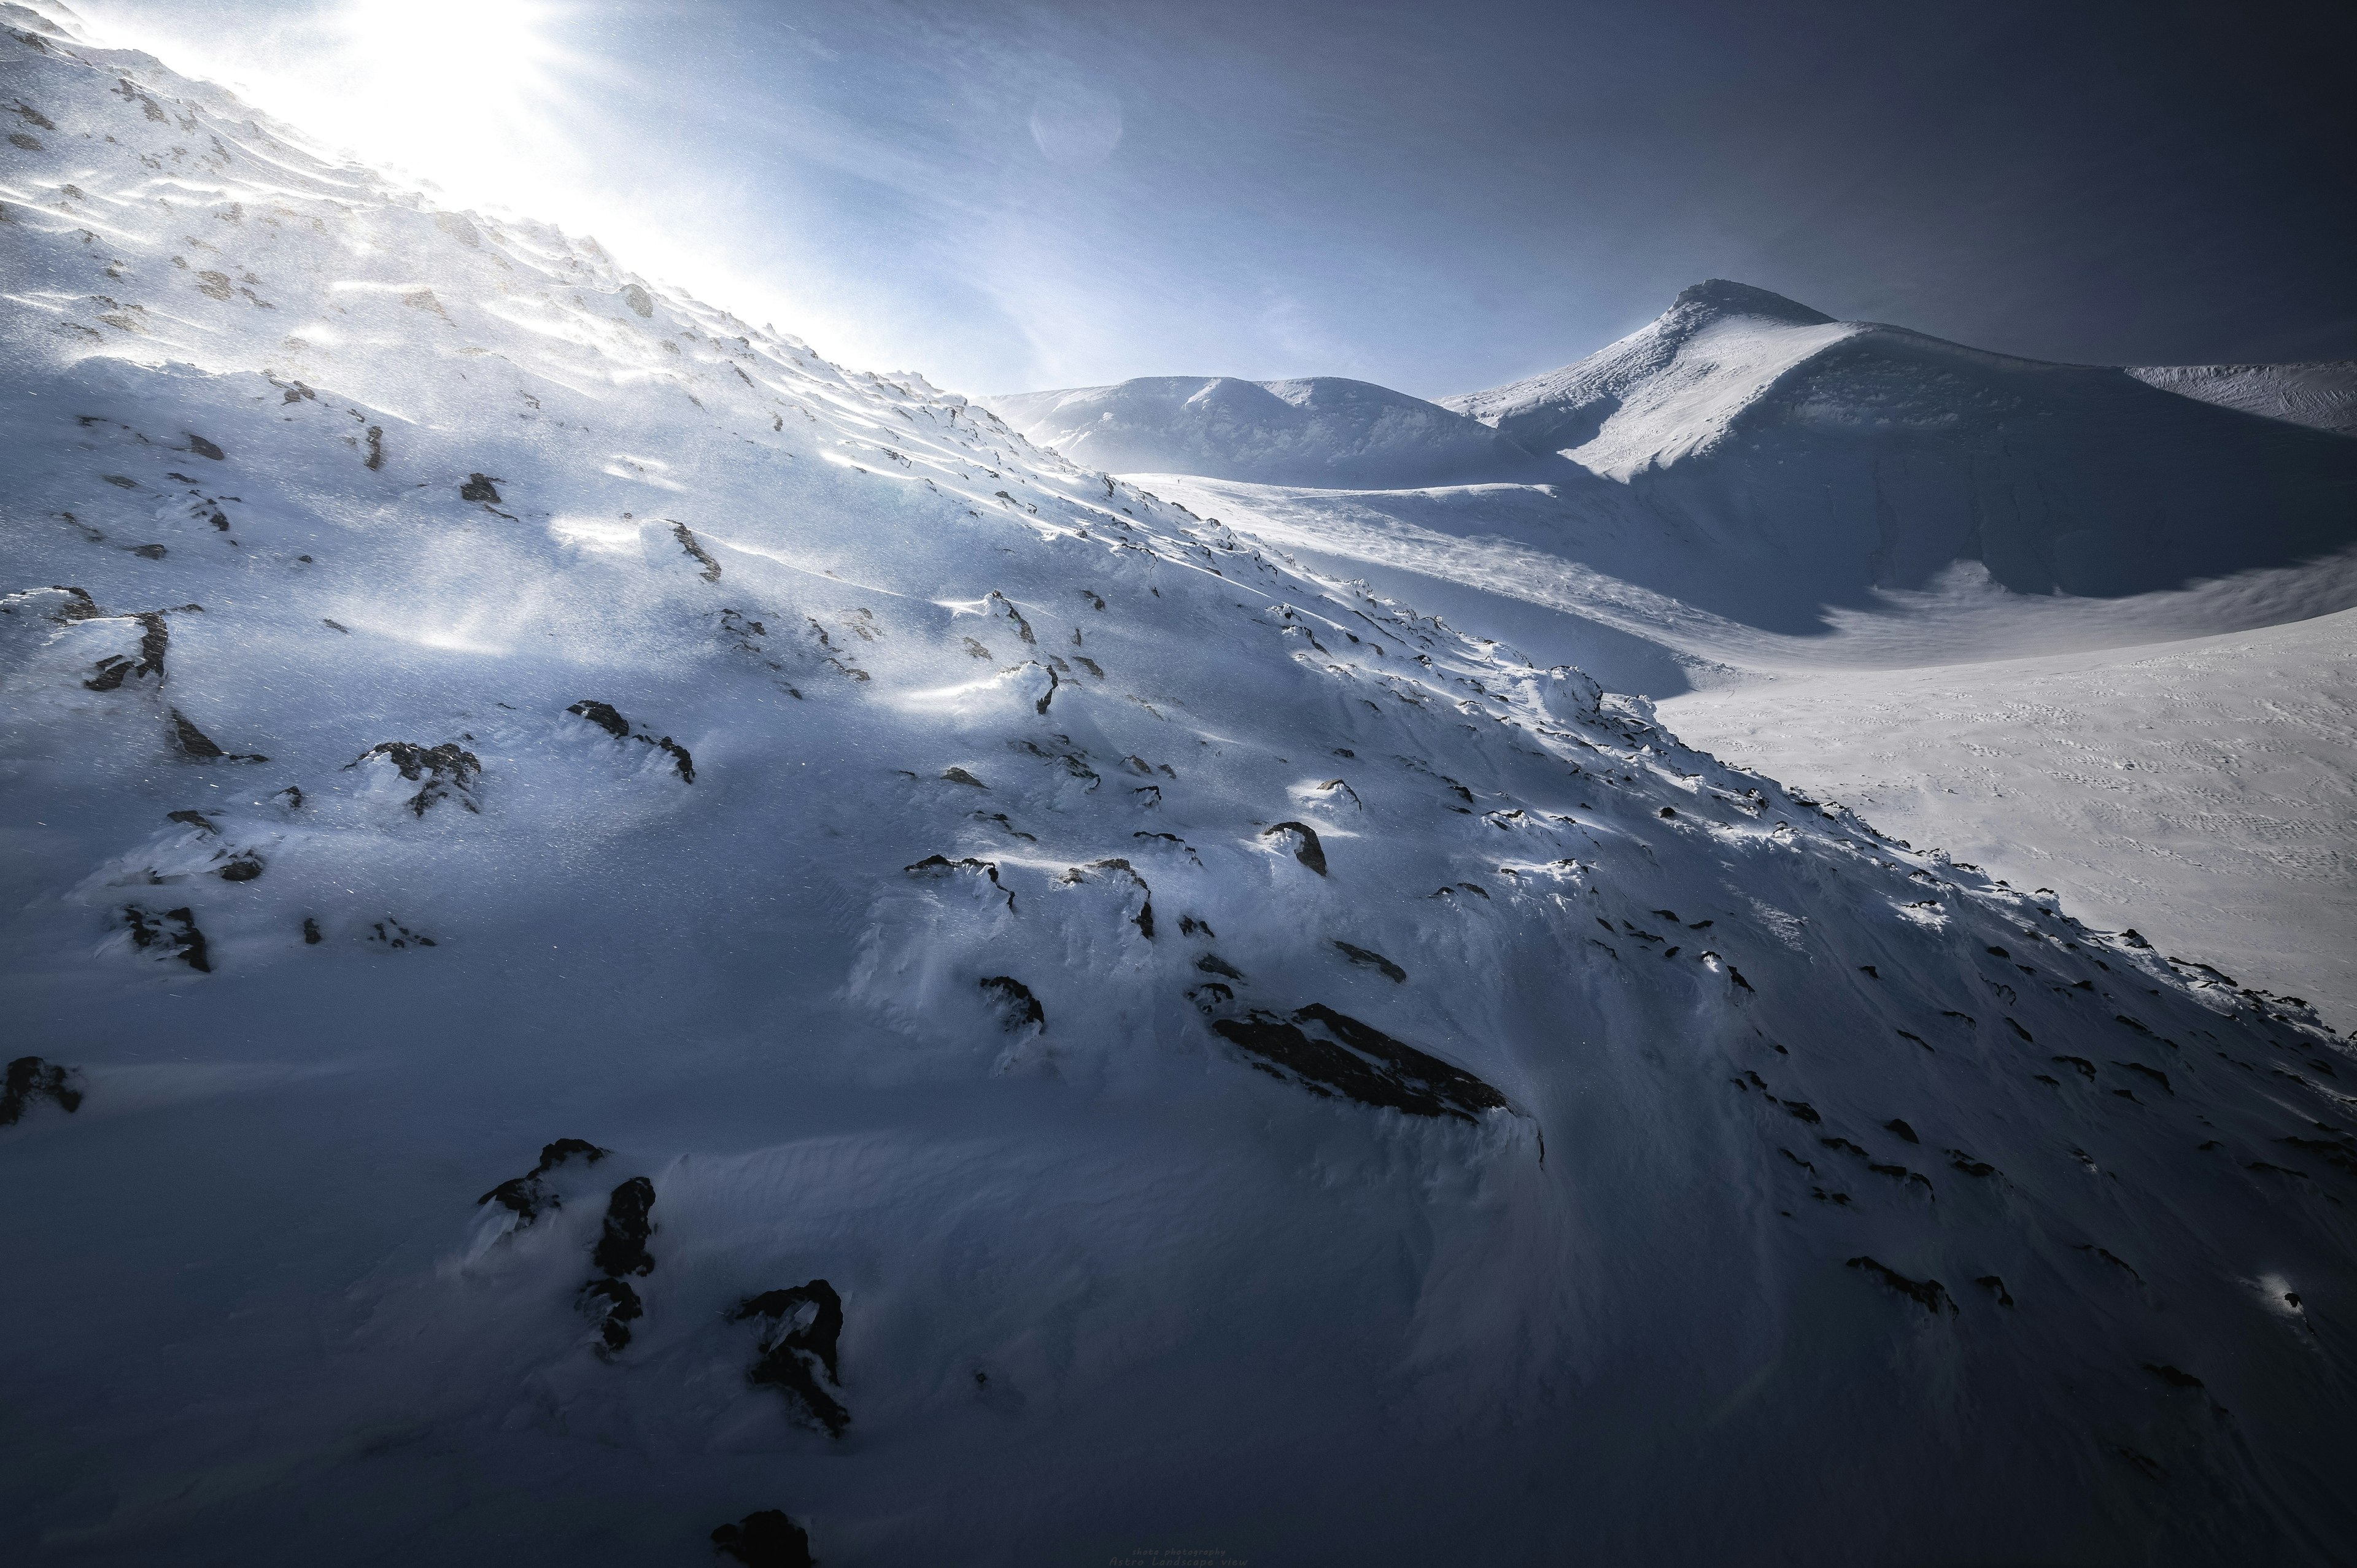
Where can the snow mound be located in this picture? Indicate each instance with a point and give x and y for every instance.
(617, 931)
(1324, 431)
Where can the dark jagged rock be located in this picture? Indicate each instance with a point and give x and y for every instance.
(1902, 1129)
(394, 934)
(204, 448)
(447, 772)
(793, 1346)
(1804, 1111)
(480, 488)
(689, 545)
(1144, 918)
(2004, 1296)
(622, 1249)
(29, 1078)
(2078, 1065)
(526, 1196)
(1307, 849)
(1932, 1294)
(1022, 1007)
(960, 776)
(2153, 1073)
(1361, 1063)
(175, 931)
(607, 718)
(942, 866)
(764, 1539)
(311, 937)
(2172, 1376)
(1959, 1160)
(197, 819)
(244, 867)
(1370, 959)
(613, 1305)
(604, 716)
(155, 642)
(1213, 963)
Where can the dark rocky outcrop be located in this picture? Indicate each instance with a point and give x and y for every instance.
(1932, 1294)
(1144, 918)
(611, 1301)
(613, 1305)
(526, 1196)
(174, 932)
(1021, 1006)
(155, 641)
(764, 1539)
(29, 1078)
(622, 1249)
(480, 488)
(1306, 847)
(942, 866)
(800, 1326)
(1358, 1062)
(689, 545)
(195, 743)
(1370, 959)
(444, 771)
(606, 717)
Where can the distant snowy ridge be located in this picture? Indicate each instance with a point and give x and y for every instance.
(2321, 395)
(619, 933)
(1323, 430)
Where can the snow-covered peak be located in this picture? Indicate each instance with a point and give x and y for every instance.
(1670, 388)
(1323, 430)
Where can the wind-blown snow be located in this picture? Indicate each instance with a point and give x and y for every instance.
(1259, 1071)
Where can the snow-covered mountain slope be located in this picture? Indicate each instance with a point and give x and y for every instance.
(1667, 388)
(613, 928)
(1324, 431)
(2322, 395)
(1874, 456)
(2204, 784)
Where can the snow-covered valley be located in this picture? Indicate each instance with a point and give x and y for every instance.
(613, 927)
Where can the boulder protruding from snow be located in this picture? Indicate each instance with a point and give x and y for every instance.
(1359, 1062)
(764, 1539)
(800, 1329)
(30, 1079)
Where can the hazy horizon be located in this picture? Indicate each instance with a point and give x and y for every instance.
(1020, 197)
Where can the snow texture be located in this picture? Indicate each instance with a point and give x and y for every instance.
(469, 708)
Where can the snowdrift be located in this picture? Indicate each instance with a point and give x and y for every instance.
(623, 939)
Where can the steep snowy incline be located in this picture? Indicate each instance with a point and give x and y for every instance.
(1324, 431)
(614, 928)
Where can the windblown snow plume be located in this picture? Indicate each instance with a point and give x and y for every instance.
(626, 942)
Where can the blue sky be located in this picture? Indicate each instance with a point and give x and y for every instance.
(1434, 197)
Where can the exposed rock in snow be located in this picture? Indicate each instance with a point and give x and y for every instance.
(1108, 1278)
